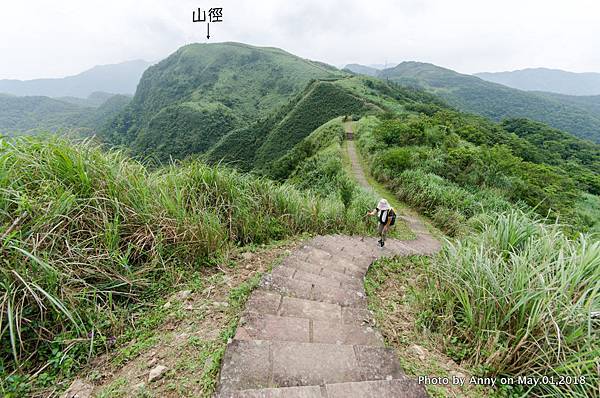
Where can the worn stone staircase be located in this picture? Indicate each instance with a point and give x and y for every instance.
(306, 331)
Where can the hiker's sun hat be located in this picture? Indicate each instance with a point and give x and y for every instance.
(383, 205)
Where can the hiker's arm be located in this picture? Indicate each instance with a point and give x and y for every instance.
(372, 212)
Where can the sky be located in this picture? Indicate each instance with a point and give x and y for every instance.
(63, 37)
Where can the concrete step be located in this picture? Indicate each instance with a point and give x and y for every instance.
(337, 274)
(323, 257)
(255, 326)
(322, 280)
(282, 392)
(397, 388)
(342, 333)
(263, 364)
(272, 303)
(340, 266)
(360, 249)
(312, 291)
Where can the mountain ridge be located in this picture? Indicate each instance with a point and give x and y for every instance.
(472, 94)
(548, 80)
(120, 78)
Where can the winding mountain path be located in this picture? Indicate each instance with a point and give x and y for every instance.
(306, 331)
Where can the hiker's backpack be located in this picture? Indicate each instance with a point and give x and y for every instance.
(390, 215)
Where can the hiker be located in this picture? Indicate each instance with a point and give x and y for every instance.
(386, 217)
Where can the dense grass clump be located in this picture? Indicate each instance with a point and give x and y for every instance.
(85, 233)
(523, 300)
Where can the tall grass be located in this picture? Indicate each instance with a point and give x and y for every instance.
(524, 298)
(85, 233)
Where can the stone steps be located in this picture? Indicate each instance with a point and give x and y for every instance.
(256, 364)
(327, 293)
(255, 326)
(306, 331)
(327, 272)
(272, 303)
(322, 280)
(397, 388)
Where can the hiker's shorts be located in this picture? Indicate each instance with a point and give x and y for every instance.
(380, 229)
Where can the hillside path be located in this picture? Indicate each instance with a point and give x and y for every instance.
(357, 169)
(306, 331)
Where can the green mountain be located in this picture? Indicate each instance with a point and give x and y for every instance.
(550, 80)
(94, 100)
(262, 143)
(362, 69)
(591, 103)
(32, 115)
(119, 78)
(472, 94)
(187, 102)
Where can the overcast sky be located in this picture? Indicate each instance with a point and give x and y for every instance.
(62, 37)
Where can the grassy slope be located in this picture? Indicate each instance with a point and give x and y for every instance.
(30, 114)
(267, 140)
(187, 331)
(86, 235)
(450, 306)
(35, 115)
(472, 94)
(270, 138)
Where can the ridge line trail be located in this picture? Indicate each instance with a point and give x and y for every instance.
(306, 331)
(414, 223)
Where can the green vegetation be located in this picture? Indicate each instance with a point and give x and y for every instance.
(471, 94)
(267, 140)
(589, 102)
(554, 147)
(87, 237)
(398, 296)
(34, 115)
(519, 297)
(203, 125)
(453, 166)
(86, 234)
(250, 81)
(516, 296)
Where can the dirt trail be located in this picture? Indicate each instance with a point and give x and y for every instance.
(357, 170)
(306, 331)
(413, 222)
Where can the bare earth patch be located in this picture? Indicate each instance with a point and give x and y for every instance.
(181, 356)
(393, 287)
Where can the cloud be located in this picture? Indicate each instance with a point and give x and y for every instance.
(42, 39)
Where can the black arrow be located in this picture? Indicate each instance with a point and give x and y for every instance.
(208, 30)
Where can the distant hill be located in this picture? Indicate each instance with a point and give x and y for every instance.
(472, 94)
(362, 69)
(262, 143)
(38, 114)
(551, 80)
(94, 100)
(190, 100)
(119, 78)
(588, 102)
